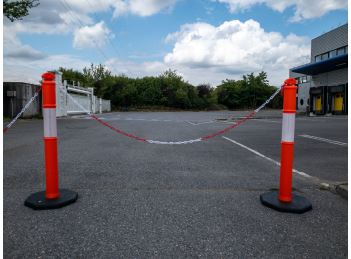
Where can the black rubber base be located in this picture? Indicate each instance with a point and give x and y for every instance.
(298, 204)
(37, 201)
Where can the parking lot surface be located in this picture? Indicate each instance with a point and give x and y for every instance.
(141, 200)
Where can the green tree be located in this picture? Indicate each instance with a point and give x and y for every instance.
(97, 76)
(249, 92)
(169, 89)
(205, 96)
(15, 10)
(204, 90)
(149, 91)
(75, 76)
(129, 95)
(182, 98)
(114, 91)
(96, 73)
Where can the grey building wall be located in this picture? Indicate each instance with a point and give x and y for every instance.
(336, 77)
(331, 40)
(16, 95)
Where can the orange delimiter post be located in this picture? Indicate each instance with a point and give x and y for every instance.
(50, 136)
(287, 143)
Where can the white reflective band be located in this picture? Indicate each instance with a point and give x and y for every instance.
(174, 142)
(288, 128)
(268, 100)
(50, 128)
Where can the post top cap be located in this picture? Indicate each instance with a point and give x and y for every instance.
(290, 81)
(48, 76)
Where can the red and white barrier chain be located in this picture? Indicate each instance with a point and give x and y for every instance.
(190, 141)
(23, 110)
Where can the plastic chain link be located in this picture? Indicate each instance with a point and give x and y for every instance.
(235, 124)
(23, 110)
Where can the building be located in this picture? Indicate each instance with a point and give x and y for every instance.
(17, 95)
(322, 83)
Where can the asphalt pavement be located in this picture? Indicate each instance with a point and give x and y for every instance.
(140, 200)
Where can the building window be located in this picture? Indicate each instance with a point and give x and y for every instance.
(332, 53)
(340, 51)
(318, 58)
(325, 56)
(303, 79)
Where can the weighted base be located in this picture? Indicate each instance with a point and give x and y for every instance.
(37, 201)
(298, 204)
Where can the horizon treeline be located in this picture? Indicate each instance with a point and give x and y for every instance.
(170, 90)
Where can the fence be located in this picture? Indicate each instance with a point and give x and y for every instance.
(17, 94)
(84, 96)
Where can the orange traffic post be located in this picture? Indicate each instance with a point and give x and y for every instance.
(52, 197)
(284, 200)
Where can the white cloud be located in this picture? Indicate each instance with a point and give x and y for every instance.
(91, 36)
(74, 16)
(24, 52)
(71, 17)
(203, 53)
(235, 48)
(15, 49)
(62, 16)
(303, 9)
(141, 7)
(51, 17)
(30, 71)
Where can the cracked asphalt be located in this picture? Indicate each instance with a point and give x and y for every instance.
(139, 200)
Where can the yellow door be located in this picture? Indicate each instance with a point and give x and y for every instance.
(318, 103)
(338, 101)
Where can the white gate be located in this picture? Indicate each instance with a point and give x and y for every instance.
(84, 96)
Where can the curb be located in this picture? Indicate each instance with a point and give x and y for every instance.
(336, 188)
(341, 189)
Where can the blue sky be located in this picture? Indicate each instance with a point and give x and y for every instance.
(206, 41)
